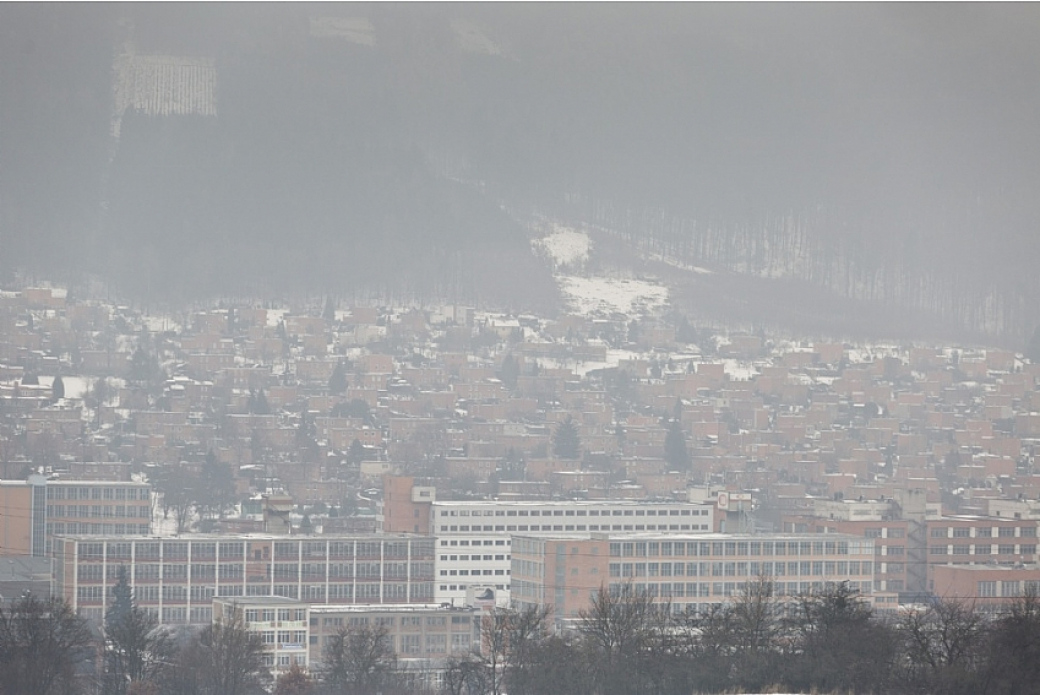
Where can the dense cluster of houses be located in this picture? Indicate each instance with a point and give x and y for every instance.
(338, 423)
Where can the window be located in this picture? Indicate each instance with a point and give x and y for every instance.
(987, 589)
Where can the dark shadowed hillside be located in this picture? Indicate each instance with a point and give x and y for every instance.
(883, 153)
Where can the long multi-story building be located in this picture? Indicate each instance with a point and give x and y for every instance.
(177, 578)
(37, 509)
(909, 552)
(693, 572)
(474, 537)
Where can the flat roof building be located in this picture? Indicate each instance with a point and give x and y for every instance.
(474, 537)
(177, 578)
(692, 572)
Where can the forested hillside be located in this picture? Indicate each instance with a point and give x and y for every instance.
(882, 153)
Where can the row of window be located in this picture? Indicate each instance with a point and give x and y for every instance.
(577, 527)
(462, 587)
(284, 637)
(528, 590)
(269, 615)
(984, 532)
(957, 532)
(474, 573)
(388, 621)
(981, 549)
(73, 528)
(57, 492)
(736, 548)
(169, 615)
(728, 589)
(398, 592)
(99, 511)
(412, 645)
(816, 568)
(284, 661)
(578, 512)
(236, 550)
(473, 558)
(1008, 589)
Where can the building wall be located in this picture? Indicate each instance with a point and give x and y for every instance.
(692, 572)
(281, 623)
(420, 632)
(949, 540)
(81, 507)
(16, 522)
(460, 527)
(400, 513)
(987, 588)
(69, 507)
(177, 578)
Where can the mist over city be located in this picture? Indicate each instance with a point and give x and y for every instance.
(311, 314)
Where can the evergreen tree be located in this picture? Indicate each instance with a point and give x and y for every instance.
(217, 492)
(338, 380)
(510, 372)
(257, 403)
(122, 599)
(144, 368)
(675, 452)
(566, 441)
(58, 389)
(356, 453)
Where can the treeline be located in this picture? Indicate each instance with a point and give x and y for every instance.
(625, 643)
(828, 642)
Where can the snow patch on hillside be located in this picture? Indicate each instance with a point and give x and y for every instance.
(565, 246)
(612, 295)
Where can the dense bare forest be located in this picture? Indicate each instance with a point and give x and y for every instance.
(828, 641)
(880, 154)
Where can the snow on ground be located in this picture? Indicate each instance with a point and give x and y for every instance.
(675, 263)
(160, 324)
(76, 386)
(275, 316)
(582, 367)
(739, 371)
(612, 295)
(565, 246)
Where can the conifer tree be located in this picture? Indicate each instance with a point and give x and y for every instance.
(566, 441)
(675, 452)
(122, 599)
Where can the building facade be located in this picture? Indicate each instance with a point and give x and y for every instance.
(422, 636)
(692, 572)
(177, 578)
(474, 538)
(988, 588)
(280, 622)
(36, 509)
(907, 560)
